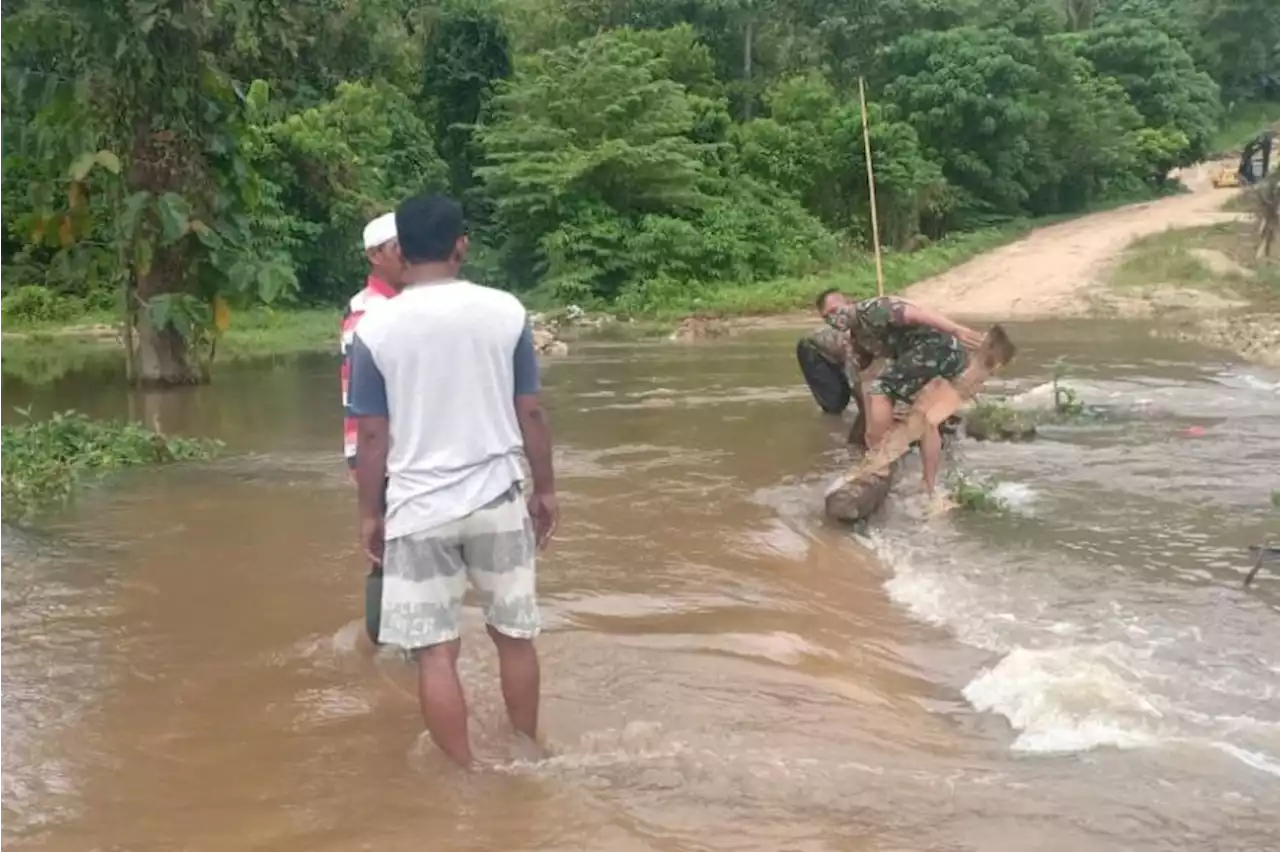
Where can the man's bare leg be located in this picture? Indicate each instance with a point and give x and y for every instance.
(444, 707)
(931, 457)
(518, 668)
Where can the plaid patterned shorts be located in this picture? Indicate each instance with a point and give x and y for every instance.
(426, 576)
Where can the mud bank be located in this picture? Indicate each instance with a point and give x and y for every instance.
(1254, 337)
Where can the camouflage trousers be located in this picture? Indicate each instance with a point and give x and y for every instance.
(905, 376)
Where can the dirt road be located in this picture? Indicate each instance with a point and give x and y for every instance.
(1057, 270)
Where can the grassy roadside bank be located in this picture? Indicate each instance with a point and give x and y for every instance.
(857, 276)
(1215, 260)
(1210, 286)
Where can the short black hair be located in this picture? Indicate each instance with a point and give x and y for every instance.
(818, 303)
(428, 227)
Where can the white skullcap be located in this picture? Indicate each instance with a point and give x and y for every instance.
(379, 231)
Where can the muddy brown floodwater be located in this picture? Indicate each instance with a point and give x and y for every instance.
(184, 665)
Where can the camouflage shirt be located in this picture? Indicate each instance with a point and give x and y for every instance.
(878, 329)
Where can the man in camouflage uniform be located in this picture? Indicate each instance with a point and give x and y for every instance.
(918, 346)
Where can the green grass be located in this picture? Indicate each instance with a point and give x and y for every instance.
(1167, 259)
(857, 277)
(263, 332)
(43, 352)
(41, 358)
(1242, 123)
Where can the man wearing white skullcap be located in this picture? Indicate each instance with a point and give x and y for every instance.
(384, 262)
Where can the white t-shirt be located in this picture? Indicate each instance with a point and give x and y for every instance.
(443, 362)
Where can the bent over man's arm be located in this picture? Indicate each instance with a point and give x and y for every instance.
(536, 433)
(913, 314)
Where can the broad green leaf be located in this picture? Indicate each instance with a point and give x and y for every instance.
(175, 217)
(108, 160)
(259, 94)
(81, 166)
(131, 216)
(274, 279)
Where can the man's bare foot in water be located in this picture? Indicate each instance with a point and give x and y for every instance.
(529, 750)
(940, 503)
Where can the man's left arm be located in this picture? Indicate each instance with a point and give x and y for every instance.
(367, 402)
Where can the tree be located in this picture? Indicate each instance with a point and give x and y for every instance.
(971, 96)
(1160, 78)
(607, 180)
(810, 145)
(467, 52)
(331, 168)
(305, 48)
(1089, 148)
(1244, 38)
(583, 130)
(127, 105)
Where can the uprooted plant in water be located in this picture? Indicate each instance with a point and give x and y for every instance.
(976, 494)
(44, 461)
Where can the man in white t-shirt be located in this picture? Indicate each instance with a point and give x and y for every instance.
(444, 385)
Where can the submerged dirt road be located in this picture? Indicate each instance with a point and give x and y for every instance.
(1060, 270)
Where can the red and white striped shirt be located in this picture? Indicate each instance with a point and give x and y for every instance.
(375, 290)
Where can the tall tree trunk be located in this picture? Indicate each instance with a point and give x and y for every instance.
(162, 162)
(748, 92)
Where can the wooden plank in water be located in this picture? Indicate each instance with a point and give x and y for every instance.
(939, 400)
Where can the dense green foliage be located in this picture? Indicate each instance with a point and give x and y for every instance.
(45, 460)
(195, 155)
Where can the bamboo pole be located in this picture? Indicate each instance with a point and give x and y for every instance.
(871, 185)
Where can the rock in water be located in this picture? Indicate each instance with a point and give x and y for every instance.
(546, 342)
(979, 428)
(701, 328)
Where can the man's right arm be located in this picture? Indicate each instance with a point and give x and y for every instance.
(536, 433)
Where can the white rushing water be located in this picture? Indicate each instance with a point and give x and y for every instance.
(1108, 592)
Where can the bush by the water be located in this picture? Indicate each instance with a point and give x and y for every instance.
(45, 460)
(33, 305)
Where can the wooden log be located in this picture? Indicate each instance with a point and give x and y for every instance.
(857, 493)
(860, 499)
